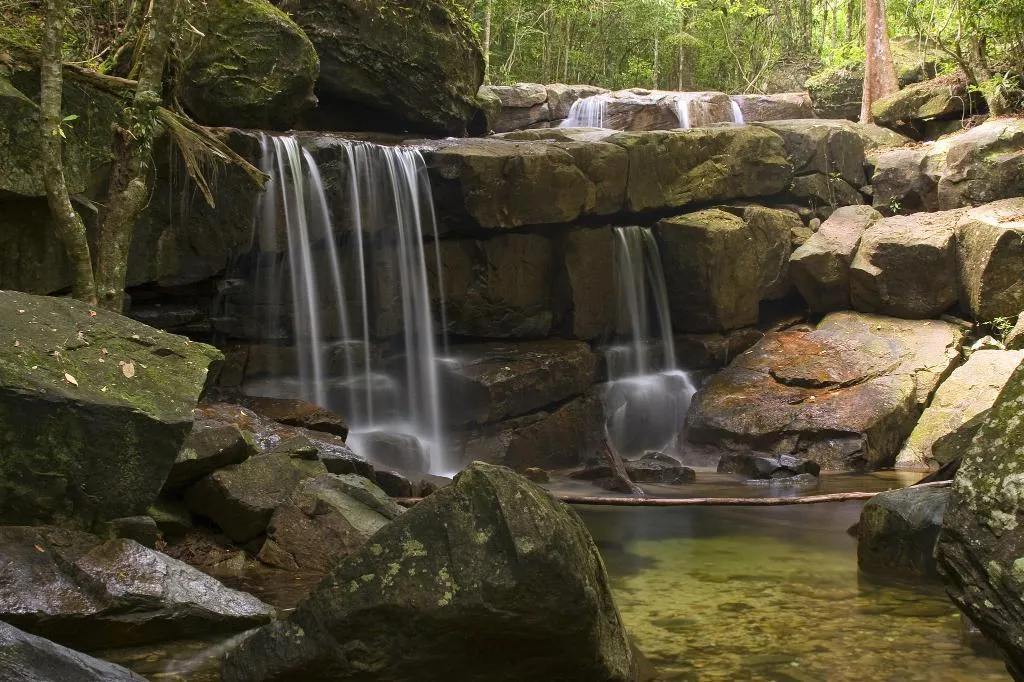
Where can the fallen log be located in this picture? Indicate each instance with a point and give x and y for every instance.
(609, 501)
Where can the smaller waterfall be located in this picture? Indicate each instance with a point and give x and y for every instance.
(646, 397)
(683, 112)
(588, 112)
(737, 113)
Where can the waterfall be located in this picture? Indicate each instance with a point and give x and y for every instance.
(683, 112)
(387, 193)
(646, 397)
(588, 112)
(737, 113)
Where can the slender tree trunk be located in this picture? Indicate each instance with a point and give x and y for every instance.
(654, 65)
(487, 41)
(849, 19)
(69, 224)
(879, 72)
(131, 176)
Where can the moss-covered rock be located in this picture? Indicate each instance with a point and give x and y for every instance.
(487, 579)
(93, 409)
(836, 91)
(938, 99)
(253, 68)
(980, 552)
(408, 65)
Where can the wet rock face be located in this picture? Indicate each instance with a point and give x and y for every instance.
(490, 559)
(86, 593)
(783, 105)
(373, 60)
(982, 540)
(93, 409)
(845, 395)
(27, 658)
(210, 446)
(898, 530)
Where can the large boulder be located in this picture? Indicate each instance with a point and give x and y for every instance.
(584, 285)
(897, 532)
(242, 498)
(984, 164)
(774, 107)
(970, 390)
(906, 180)
(942, 98)
(990, 253)
(499, 288)
(81, 591)
(522, 105)
(210, 446)
(93, 409)
(845, 395)
(494, 382)
(906, 266)
(324, 520)
(27, 658)
(829, 148)
(671, 169)
(491, 558)
(820, 267)
(412, 66)
(712, 271)
(253, 67)
(836, 91)
(982, 540)
(561, 97)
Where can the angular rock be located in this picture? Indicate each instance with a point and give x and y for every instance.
(93, 409)
(774, 107)
(555, 439)
(241, 499)
(947, 97)
(1015, 338)
(373, 67)
(561, 97)
(655, 470)
(836, 91)
(906, 266)
(712, 271)
(897, 532)
(826, 147)
(325, 519)
(27, 658)
(845, 395)
(824, 194)
(754, 466)
(141, 529)
(491, 105)
(772, 232)
(982, 539)
(990, 252)
(701, 351)
(292, 412)
(253, 67)
(984, 164)
(490, 558)
(494, 382)
(79, 591)
(673, 169)
(210, 446)
(970, 390)
(499, 287)
(906, 180)
(820, 268)
(585, 285)
(522, 105)
(606, 166)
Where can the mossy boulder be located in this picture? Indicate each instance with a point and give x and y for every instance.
(400, 65)
(93, 409)
(836, 91)
(253, 67)
(990, 253)
(487, 579)
(980, 552)
(943, 98)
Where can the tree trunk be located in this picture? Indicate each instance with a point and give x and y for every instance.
(131, 175)
(69, 224)
(654, 65)
(487, 41)
(879, 72)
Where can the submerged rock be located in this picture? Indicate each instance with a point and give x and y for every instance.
(488, 579)
(982, 540)
(845, 395)
(93, 409)
(86, 593)
(27, 658)
(897, 532)
(753, 465)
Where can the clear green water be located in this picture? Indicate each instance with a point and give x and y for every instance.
(773, 594)
(730, 594)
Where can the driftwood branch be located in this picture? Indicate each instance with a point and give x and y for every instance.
(623, 483)
(603, 500)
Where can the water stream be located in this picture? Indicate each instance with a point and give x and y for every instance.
(587, 112)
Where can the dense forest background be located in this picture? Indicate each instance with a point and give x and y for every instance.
(734, 45)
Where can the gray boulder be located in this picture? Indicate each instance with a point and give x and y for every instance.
(897, 532)
(210, 446)
(27, 658)
(984, 164)
(491, 558)
(990, 253)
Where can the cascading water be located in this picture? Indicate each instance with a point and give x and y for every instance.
(693, 111)
(588, 112)
(395, 415)
(646, 397)
(737, 113)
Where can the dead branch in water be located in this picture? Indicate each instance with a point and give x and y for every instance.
(623, 483)
(606, 501)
